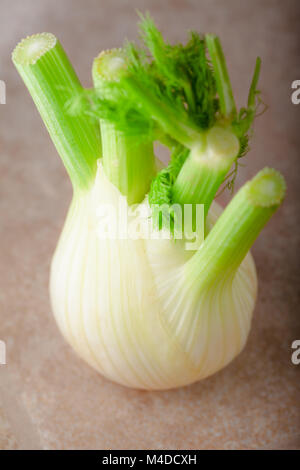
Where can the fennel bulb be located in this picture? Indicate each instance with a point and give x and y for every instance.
(147, 312)
(132, 314)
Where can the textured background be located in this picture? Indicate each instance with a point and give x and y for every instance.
(50, 399)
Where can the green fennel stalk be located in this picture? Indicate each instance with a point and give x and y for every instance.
(128, 161)
(53, 83)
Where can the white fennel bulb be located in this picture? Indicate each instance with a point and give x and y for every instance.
(131, 314)
(147, 312)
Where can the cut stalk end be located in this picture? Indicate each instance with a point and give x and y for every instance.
(109, 65)
(32, 48)
(267, 188)
(222, 144)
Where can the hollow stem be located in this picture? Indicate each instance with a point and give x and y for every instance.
(52, 83)
(237, 228)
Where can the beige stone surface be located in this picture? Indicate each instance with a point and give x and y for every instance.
(51, 399)
(7, 439)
